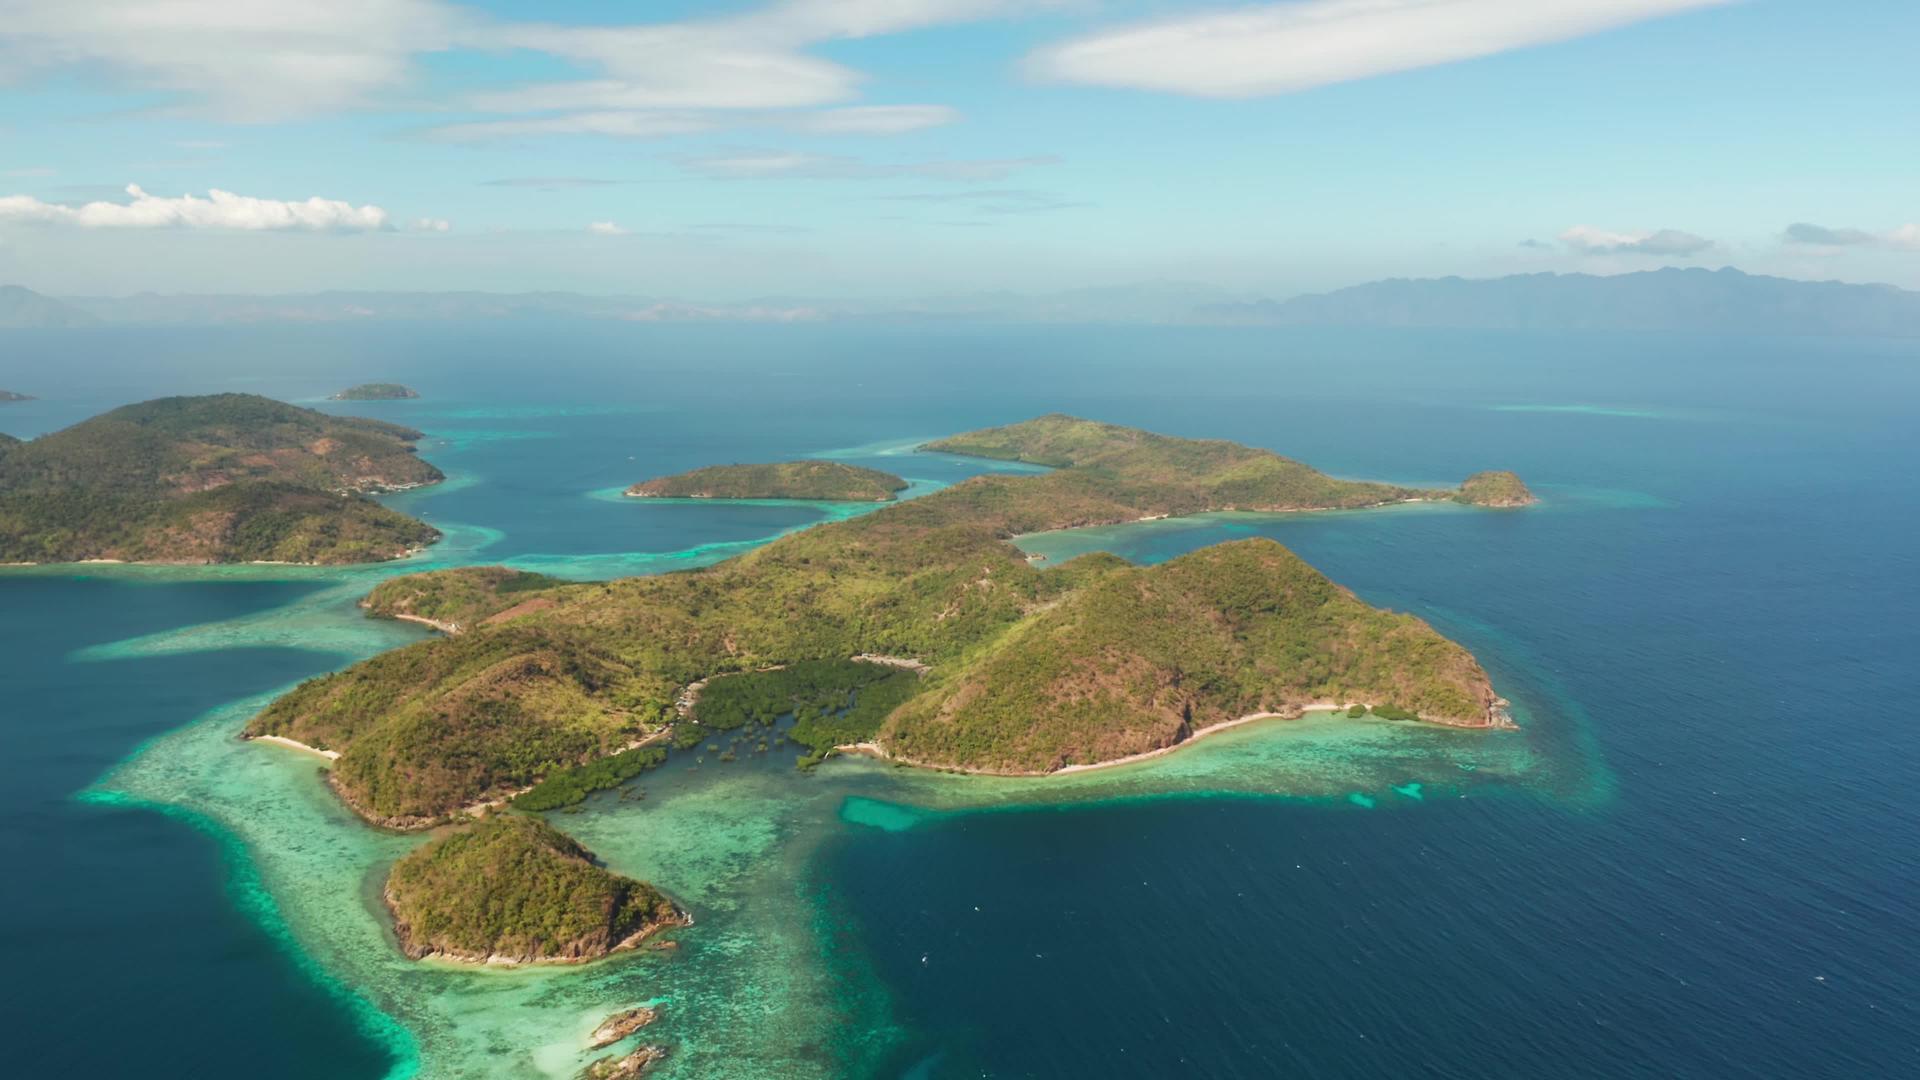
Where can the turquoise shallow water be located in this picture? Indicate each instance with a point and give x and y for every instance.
(1689, 861)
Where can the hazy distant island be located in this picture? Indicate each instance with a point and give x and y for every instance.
(216, 479)
(513, 889)
(376, 391)
(1672, 299)
(8, 395)
(823, 481)
(22, 308)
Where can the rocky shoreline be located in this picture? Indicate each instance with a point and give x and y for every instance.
(1497, 718)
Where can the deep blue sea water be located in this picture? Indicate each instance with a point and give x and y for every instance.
(1710, 622)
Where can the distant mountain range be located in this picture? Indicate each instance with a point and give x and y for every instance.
(1726, 300)
(1670, 299)
(23, 307)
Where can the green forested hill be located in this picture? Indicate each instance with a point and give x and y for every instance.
(514, 888)
(222, 478)
(1030, 668)
(1497, 488)
(819, 480)
(1145, 656)
(1164, 474)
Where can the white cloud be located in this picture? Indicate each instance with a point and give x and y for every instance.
(825, 19)
(1282, 48)
(429, 224)
(764, 164)
(754, 60)
(1801, 232)
(624, 125)
(872, 120)
(606, 228)
(550, 183)
(978, 170)
(1588, 240)
(219, 210)
(247, 61)
(748, 164)
(1904, 238)
(255, 60)
(662, 123)
(670, 70)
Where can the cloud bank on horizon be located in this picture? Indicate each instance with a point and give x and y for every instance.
(1904, 238)
(219, 210)
(1097, 138)
(1588, 240)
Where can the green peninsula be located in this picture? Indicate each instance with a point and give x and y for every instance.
(513, 889)
(376, 391)
(1027, 670)
(829, 481)
(215, 479)
(8, 395)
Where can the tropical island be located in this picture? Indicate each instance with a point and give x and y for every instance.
(513, 889)
(376, 391)
(8, 395)
(216, 479)
(544, 678)
(1497, 488)
(818, 481)
(917, 633)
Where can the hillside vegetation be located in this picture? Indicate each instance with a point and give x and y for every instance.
(1145, 656)
(223, 478)
(1030, 669)
(830, 481)
(1496, 488)
(514, 888)
(464, 597)
(1164, 474)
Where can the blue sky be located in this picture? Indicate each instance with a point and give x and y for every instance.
(869, 148)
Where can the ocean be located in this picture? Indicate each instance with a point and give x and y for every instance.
(1697, 857)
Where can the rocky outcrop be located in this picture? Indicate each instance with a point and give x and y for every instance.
(620, 1025)
(623, 1068)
